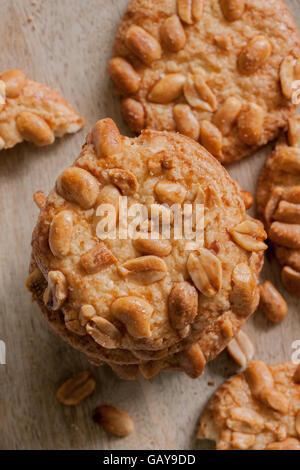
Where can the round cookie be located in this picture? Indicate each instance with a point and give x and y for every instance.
(278, 202)
(148, 303)
(258, 409)
(220, 72)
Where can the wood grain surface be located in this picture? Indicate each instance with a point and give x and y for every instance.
(67, 44)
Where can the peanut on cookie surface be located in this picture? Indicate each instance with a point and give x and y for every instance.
(145, 304)
(258, 409)
(218, 71)
(278, 201)
(32, 111)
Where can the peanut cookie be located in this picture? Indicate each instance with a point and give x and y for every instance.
(218, 71)
(258, 409)
(32, 111)
(278, 201)
(157, 303)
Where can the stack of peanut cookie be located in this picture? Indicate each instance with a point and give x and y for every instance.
(148, 303)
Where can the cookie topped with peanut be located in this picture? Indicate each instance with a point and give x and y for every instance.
(258, 409)
(278, 201)
(156, 297)
(32, 111)
(218, 71)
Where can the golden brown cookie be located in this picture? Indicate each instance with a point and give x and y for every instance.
(32, 111)
(258, 409)
(152, 303)
(218, 71)
(278, 202)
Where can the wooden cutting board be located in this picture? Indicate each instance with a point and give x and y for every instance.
(67, 44)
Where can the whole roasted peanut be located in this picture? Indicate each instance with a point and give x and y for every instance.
(288, 159)
(272, 303)
(275, 400)
(170, 193)
(186, 122)
(97, 258)
(244, 297)
(291, 280)
(124, 76)
(227, 114)
(57, 290)
(104, 332)
(106, 138)
(249, 235)
(232, 9)
(198, 94)
(150, 246)
(34, 129)
(250, 123)
(167, 89)
(287, 212)
(134, 114)
(245, 420)
(290, 195)
(288, 444)
(254, 54)
(287, 76)
(145, 269)
(211, 138)
(248, 199)
(258, 376)
(15, 81)
(78, 186)
(287, 235)
(192, 361)
(172, 34)
(190, 11)
(182, 305)
(114, 421)
(76, 389)
(109, 194)
(241, 349)
(124, 180)
(60, 234)
(143, 45)
(294, 131)
(134, 313)
(205, 270)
